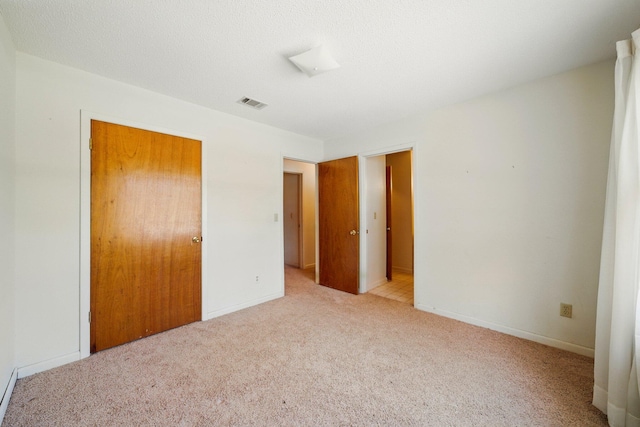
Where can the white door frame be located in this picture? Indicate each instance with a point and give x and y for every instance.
(282, 171)
(85, 214)
(362, 180)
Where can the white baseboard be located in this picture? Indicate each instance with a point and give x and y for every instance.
(402, 270)
(4, 403)
(552, 342)
(25, 371)
(236, 307)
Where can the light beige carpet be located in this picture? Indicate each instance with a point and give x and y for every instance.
(316, 357)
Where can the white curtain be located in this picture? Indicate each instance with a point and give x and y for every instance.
(617, 351)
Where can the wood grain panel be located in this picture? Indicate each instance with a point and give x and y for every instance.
(389, 211)
(339, 250)
(145, 210)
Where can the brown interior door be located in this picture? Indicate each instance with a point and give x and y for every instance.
(389, 204)
(338, 223)
(145, 233)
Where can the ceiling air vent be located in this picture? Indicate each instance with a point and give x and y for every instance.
(252, 103)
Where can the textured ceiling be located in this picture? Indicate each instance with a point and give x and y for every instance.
(397, 57)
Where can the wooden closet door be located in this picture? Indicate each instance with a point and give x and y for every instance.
(145, 233)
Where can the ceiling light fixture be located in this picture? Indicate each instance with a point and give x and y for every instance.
(315, 61)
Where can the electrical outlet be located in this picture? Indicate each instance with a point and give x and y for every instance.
(566, 310)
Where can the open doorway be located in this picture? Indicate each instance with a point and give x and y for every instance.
(292, 219)
(389, 225)
(299, 215)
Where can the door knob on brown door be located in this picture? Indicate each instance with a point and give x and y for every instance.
(195, 239)
(353, 232)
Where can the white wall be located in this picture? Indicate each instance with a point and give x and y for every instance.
(7, 204)
(308, 171)
(243, 161)
(509, 197)
(375, 224)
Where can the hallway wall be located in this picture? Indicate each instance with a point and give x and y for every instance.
(308, 171)
(375, 224)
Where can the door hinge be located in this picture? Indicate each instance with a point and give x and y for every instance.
(89, 317)
(90, 143)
